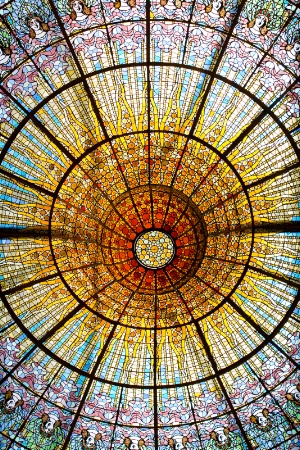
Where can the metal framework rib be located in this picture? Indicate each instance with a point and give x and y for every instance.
(216, 66)
(34, 407)
(155, 370)
(188, 23)
(213, 363)
(273, 175)
(221, 384)
(291, 423)
(78, 65)
(117, 418)
(47, 335)
(273, 43)
(31, 283)
(259, 329)
(148, 37)
(95, 368)
(89, 94)
(221, 371)
(259, 119)
(194, 417)
(30, 115)
(275, 276)
(39, 125)
(30, 57)
(209, 85)
(284, 227)
(35, 341)
(214, 367)
(26, 183)
(267, 337)
(88, 387)
(257, 269)
(266, 53)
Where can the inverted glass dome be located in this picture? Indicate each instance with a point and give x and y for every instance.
(150, 224)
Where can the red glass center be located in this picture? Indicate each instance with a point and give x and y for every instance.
(161, 210)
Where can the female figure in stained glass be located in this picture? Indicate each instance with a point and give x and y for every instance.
(263, 16)
(293, 50)
(259, 24)
(79, 10)
(9, 52)
(34, 23)
(89, 439)
(216, 8)
(11, 410)
(171, 444)
(292, 407)
(79, 14)
(274, 76)
(125, 5)
(45, 432)
(217, 13)
(142, 445)
(37, 28)
(266, 429)
(126, 444)
(171, 4)
(178, 9)
(125, 9)
(292, 36)
(33, 20)
(5, 50)
(222, 438)
(186, 445)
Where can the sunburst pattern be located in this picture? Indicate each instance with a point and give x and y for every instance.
(127, 122)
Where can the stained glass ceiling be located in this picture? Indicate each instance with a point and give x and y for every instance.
(149, 224)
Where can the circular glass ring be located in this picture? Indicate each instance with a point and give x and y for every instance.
(154, 249)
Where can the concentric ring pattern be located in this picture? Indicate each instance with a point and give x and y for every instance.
(149, 224)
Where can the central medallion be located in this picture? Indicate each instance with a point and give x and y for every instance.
(153, 240)
(154, 249)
